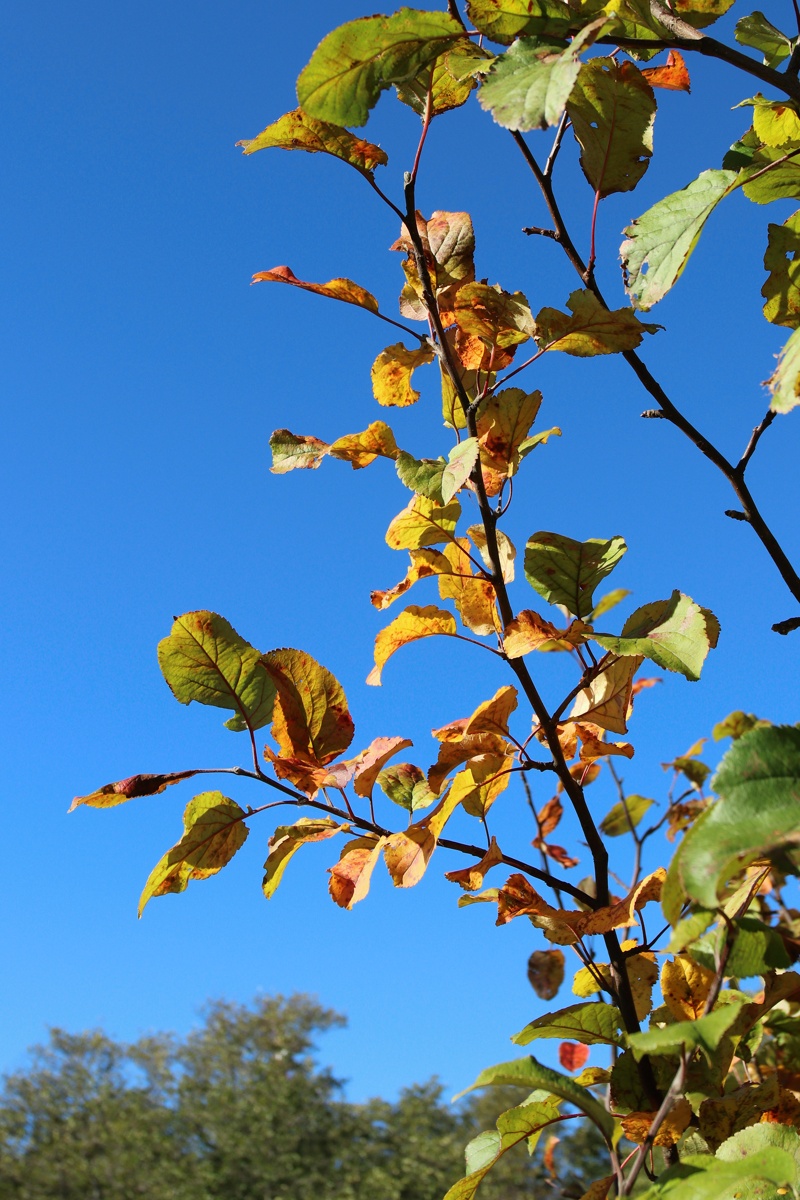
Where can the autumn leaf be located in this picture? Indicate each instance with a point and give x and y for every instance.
(312, 721)
(612, 110)
(592, 329)
(685, 986)
(299, 131)
(350, 877)
(625, 816)
(493, 715)
(424, 564)
(505, 547)
(473, 595)
(370, 762)
(504, 21)
(308, 776)
(361, 449)
(529, 631)
(494, 318)
(676, 634)
(673, 76)
(572, 1055)
(452, 753)
(481, 781)
(391, 374)
(423, 522)
(439, 86)
(448, 244)
(287, 840)
(407, 786)
(471, 878)
(408, 853)
(412, 624)
(111, 794)
(607, 700)
(292, 451)
(335, 289)
(566, 572)
(518, 898)
(214, 830)
(636, 1125)
(546, 972)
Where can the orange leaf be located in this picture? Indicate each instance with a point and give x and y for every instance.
(128, 789)
(518, 898)
(673, 76)
(336, 289)
(287, 840)
(471, 878)
(408, 853)
(548, 819)
(460, 750)
(492, 716)
(307, 776)
(572, 1055)
(636, 1125)
(361, 449)
(311, 720)
(529, 631)
(350, 877)
(371, 761)
(412, 624)
(546, 972)
(549, 1151)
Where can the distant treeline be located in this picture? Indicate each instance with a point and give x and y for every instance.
(241, 1110)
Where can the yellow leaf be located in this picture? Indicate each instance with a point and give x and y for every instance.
(408, 853)
(607, 699)
(492, 716)
(601, 1187)
(504, 421)
(642, 974)
(505, 547)
(391, 374)
(529, 631)
(593, 746)
(636, 1125)
(336, 289)
(471, 878)
(350, 877)
(298, 131)
(370, 762)
(311, 720)
(361, 449)
(412, 624)
(424, 564)
(480, 783)
(423, 522)
(472, 595)
(287, 840)
(460, 749)
(685, 986)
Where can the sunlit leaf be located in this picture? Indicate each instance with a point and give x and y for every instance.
(490, 319)
(607, 602)
(350, 877)
(519, 898)
(478, 785)
(703, 1033)
(503, 423)
(591, 1024)
(776, 123)
(438, 86)
(473, 595)
(361, 449)
(677, 634)
(505, 547)
(287, 840)
(424, 564)
(131, 788)
(412, 624)
(493, 715)
(460, 749)
(423, 522)
(471, 878)
(673, 76)
(661, 241)
(505, 20)
(407, 786)
(612, 111)
(312, 721)
(308, 775)
(624, 817)
(756, 31)
(371, 762)
(530, 631)
(592, 329)
(205, 659)
(784, 384)
(522, 1124)
(546, 972)
(685, 986)
(408, 853)
(335, 289)
(214, 830)
(448, 243)
(566, 572)
(291, 451)
(781, 290)
(607, 700)
(299, 131)
(636, 1125)
(391, 374)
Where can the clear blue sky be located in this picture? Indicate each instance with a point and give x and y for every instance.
(142, 377)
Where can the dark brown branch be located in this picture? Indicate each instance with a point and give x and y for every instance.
(763, 424)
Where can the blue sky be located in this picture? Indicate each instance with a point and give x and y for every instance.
(143, 377)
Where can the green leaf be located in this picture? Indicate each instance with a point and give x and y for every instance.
(528, 1072)
(214, 830)
(756, 1138)
(736, 725)
(407, 786)
(761, 34)
(701, 13)
(460, 461)
(423, 522)
(356, 62)
(704, 1033)
(505, 20)
(702, 1177)
(676, 634)
(421, 475)
(299, 131)
(205, 659)
(784, 384)
(287, 840)
(612, 109)
(566, 572)
(438, 84)
(607, 602)
(592, 1024)
(528, 86)
(661, 241)
(690, 929)
(622, 817)
(782, 259)
(293, 451)
(592, 329)
(773, 173)
(756, 949)
(758, 782)
(513, 1127)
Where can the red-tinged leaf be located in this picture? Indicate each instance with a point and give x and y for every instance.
(489, 316)
(311, 719)
(674, 75)
(546, 972)
(448, 243)
(307, 776)
(350, 877)
(370, 762)
(493, 715)
(518, 898)
(335, 289)
(639, 685)
(452, 753)
(361, 449)
(561, 856)
(572, 1055)
(287, 840)
(412, 624)
(550, 1148)
(293, 451)
(392, 371)
(131, 788)
(298, 131)
(471, 878)
(214, 830)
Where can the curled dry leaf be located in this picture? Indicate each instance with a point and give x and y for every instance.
(546, 972)
(518, 898)
(471, 878)
(335, 289)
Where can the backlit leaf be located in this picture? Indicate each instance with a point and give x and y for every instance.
(361, 449)
(685, 986)
(448, 243)
(350, 877)
(503, 423)
(423, 522)
(661, 241)
(505, 546)
(424, 564)
(287, 840)
(214, 830)
(335, 289)
(592, 329)
(566, 572)
(422, 475)
(612, 110)
(546, 973)
(471, 878)
(308, 775)
(408, 853)
(607, 700)
(473, 595)
(704, 1177)
(784, 384)
(673, 76)
(636, 1125)
(702, 1033)
(775, 122)
(205, 659)
(391, 374)
(492, 317)
(677, 634)
(356, 62)
(518, 1125)
(529, 631)
(773, 173)
(131, 788)
(407, 786)
(623, 817)
(756, 31)
(481, 781)
(460, 749)
(607, 602)
(299, 131)
(519, 898)
(460, 461)
(312, 721)
(493, 715)
(782, 287)
(572, 1055)
(505, 20)
(412, 624)
(591, 1024)
(528, 86)
(438, 85)
(291, 451)
(701, 13)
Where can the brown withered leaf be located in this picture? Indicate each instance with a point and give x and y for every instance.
(361, 449)
(548, 819)
(594, 746)
(311, 719)
(350, 877)
(546, 972)
(636, 1125)
(685, 985)
(681, 816)
(519, 898)
(412, 624)
(471, 878)
(560, 855)
(335, 289)
(370, 762)
(131, 788)
(673, 75)
(572, 1055)
(607, 700)
(493, 715)
(391, 374)
(309, 777)
(452, 753)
